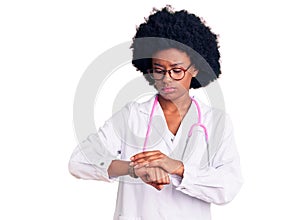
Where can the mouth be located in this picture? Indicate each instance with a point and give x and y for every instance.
(168, 89)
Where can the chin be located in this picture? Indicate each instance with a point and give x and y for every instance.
(169, 96)
(173, 96)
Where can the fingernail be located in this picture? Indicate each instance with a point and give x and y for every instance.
(136, 166)
(131, 164)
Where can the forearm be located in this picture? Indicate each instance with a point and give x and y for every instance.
(118, 168)
(212, 185)
(158, 159)
(180, 170)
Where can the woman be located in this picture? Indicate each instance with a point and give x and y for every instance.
(173, 155)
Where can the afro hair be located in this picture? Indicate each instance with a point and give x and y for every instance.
(182, 30)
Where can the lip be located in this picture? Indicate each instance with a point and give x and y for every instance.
(168, 89)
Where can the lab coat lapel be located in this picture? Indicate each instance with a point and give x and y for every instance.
(182, 133)
(175, 147)
(158, 128)
(160, 132)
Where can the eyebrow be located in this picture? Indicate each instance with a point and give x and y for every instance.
(174, 64)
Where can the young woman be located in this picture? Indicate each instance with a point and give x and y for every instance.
(172, 155)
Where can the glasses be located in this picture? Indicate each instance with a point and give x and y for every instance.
(176, 73)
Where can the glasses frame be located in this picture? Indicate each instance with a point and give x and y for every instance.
(164, 71)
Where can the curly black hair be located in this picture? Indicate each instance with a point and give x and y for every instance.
(182, 30)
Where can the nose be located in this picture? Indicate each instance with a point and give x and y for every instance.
(167, 77)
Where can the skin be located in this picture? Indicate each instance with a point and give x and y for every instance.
(174, 95)
(153, 167)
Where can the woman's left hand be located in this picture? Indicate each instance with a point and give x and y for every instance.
(157, 159)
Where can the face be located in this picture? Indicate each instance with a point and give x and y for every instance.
(167, 87)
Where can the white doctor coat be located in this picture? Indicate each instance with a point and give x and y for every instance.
(211, 174)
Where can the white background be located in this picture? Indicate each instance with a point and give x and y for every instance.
(45, 48)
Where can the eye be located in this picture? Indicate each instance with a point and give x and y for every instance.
(177, 70)
(158, 71)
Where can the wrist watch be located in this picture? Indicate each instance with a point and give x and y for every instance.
(131, 172)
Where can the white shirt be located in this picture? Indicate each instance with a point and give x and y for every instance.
(210, 176)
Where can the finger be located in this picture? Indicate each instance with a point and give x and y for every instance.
(162, 176)
(144, 178)
(151, 179)
(157, 186)
(165, 177)
(146, 160)
(132, 163)
(155, 163)
(152, 164)
(144, 154)
(147, 179)
(154, 175)
(159, 176)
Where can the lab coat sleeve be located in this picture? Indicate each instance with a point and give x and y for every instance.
(218, 183)
(92, 157)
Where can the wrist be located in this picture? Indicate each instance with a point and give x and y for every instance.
(131, 172)
(118, 168)
(180, 170)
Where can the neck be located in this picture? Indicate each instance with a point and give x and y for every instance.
(180, 105)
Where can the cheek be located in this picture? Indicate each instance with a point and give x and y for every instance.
(186, 83)
(182, 85)
(157, 84)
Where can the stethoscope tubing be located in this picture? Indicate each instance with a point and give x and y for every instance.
(155, 103)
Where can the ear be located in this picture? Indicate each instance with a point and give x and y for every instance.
(194, 72)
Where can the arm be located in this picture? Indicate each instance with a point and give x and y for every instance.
(91, 159)
(93, 156)
(155, 177)
(96, 157)
(218, 183)
(158, 159)
(118, 168)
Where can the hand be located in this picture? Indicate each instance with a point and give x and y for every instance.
(157, 159)
(153, 176)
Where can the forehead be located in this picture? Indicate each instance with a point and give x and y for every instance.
(171, 56)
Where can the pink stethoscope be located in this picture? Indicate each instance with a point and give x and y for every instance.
(190, 131)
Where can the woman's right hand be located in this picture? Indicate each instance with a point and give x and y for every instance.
(153, 176)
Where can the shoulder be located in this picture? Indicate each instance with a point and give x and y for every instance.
(210, 110)
(131, 115)
(214, 117)
(136, 107)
